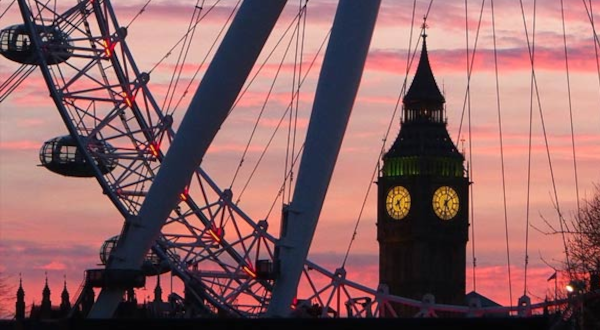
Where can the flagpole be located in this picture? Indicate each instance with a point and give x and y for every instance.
(555, 289)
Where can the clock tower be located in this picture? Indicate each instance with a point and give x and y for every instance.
(423, 200)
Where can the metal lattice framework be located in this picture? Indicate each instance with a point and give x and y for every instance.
(223, 256)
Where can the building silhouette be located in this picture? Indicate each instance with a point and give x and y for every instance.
(423, 198)
(45, 310)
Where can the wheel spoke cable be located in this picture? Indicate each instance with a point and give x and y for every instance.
(535, 90)
(410, 55)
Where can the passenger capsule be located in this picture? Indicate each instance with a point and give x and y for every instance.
(152, 265)
(61, 155)
(16, 44)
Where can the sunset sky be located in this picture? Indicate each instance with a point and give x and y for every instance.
(56, 225)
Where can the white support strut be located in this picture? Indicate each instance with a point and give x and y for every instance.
(338, 84)
(208, 109)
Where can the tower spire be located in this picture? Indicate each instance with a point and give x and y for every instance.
(65, 303)
(46, 307)
(424, 91)
(20, 304)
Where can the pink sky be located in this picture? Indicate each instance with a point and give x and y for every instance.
(55, 224)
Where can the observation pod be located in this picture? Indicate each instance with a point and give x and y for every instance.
(153, 264)
(16, 44)
(61, 155)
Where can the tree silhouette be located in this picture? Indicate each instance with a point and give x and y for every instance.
(584, 241)
(583, 246)
(7, 297)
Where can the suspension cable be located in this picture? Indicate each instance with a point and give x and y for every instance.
(529, 153)
(501, 139)
(7, 8)
(467, 107)
(140, 12)
(212, 46)
(263, 64)
(289, 107)
(279, 124)
(590, 14)
(562, 11)
(409, 60)
(468, 95)
(189, 31)
(183, 53)
(302, 44)
(293, 119)
(8, 86)
(258, 71)
(535, 89)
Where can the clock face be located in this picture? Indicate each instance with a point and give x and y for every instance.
(445, 202)
(397, 202)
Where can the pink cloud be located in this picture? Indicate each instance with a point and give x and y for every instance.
(513, 57)
(509, 60)
(53, 265)
(19, 145)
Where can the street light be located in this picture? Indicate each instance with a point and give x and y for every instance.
(574, 288)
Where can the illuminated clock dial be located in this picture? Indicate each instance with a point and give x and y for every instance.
(397, 202)
(445, 202)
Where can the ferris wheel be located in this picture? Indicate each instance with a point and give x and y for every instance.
(119, 135)
(229, 263)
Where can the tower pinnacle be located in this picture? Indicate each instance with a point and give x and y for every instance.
(20, 303)
(424, 91)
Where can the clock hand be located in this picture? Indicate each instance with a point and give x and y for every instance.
(446, 208)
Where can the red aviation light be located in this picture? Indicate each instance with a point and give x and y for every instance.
(128, 99)
(248, 270)
(184, 195)
(154, 149)
(109, 47)
(216, 234)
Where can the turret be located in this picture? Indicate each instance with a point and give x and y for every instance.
(65, 303)
(20, 304)
(46, 307)
(158, 291)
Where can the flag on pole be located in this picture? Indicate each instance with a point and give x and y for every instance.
(553, 276)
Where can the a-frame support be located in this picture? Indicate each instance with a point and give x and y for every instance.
(334, 99)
